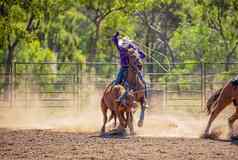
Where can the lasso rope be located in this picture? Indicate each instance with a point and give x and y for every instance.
(153, 58)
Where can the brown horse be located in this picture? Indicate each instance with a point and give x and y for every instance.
(135, 83)
(111, 93)
(220, 100)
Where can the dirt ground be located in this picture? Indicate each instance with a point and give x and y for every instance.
(48, 144)
(61, 134)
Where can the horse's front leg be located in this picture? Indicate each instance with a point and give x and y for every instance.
(142, 113)
(121, 121)
(104, 112)
(231, 121)
(219, 106)
(130, 122)
(113, 116)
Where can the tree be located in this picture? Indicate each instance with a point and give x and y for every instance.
(222, 17)
(160, 21)
(97, 11)
(20, 21)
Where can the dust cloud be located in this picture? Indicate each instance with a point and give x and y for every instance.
(178, 125)
(89, 120)
(37, 116)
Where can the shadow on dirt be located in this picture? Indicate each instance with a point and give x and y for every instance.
(232, 140)
(115, 134)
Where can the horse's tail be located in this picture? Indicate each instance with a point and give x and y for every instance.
(212, 100)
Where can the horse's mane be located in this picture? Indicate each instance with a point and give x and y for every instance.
(138, 60)
(108, 88)
(135, 66)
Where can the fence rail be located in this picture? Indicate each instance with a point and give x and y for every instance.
(65, 84)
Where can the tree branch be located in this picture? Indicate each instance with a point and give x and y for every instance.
(112, 10)
(221, 29)
(29, 26)
(233, 49)
(213, 25)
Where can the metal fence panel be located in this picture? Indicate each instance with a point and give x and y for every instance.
(188, 85)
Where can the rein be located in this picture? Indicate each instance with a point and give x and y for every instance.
(134, 68)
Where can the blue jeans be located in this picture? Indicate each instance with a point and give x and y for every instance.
(121, 76)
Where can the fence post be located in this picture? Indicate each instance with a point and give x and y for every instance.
(205, 84)
(77, 81)
(165, 94)
(26, 86)
(203, 91)
(13, 84)
(10, 84)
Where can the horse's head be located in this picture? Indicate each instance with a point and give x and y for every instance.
(118, 90)
(134, 60)
(131, 101)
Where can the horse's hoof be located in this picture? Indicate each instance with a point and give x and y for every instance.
(122, 130)
(205, 136)
(132, 133)
(147, 106)
(114, 131)
(102, 134)
(234, 137)
(140, 124)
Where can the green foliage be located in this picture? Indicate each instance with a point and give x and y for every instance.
(192, 43)
(186, 31)
(79, 57)
(33, 52)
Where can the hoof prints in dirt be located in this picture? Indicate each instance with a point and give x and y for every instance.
(46, 144)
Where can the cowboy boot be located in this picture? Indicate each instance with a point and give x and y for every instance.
(146, 104)
(122, 98)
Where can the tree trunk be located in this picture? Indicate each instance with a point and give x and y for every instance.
(8, 68)
(229, 56)
(93, 48)
(227, 62)
(7, 79)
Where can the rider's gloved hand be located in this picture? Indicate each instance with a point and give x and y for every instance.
(117, 34)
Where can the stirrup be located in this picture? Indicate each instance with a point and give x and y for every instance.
(118, 99)
(146, 105)
(121, 100)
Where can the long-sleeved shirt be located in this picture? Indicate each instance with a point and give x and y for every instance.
(123, 50)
